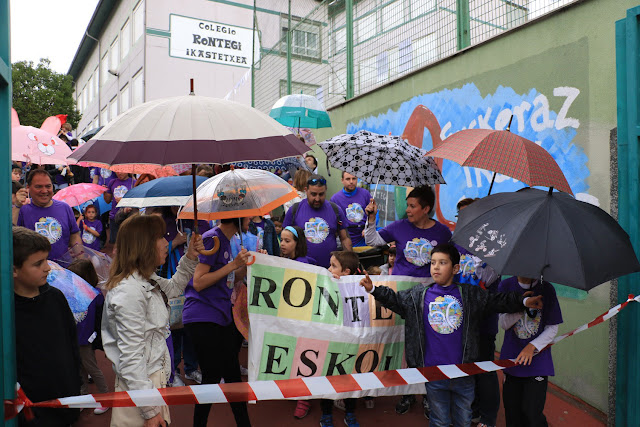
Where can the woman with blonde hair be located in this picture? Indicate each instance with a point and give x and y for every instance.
(300, 184)
(136, 315)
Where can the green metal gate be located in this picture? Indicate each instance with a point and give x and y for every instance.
(628, 84)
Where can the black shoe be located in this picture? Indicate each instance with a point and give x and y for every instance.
(403, 406)
(425, 406)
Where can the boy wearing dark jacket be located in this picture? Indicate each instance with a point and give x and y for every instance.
(47, 352)
(442, 321)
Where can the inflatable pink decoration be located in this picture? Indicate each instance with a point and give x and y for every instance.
(38, 146)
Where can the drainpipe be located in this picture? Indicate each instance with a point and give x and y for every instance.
(289, 36)
(350, 68)
(86, 33)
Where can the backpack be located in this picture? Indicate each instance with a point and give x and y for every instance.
(336, 210)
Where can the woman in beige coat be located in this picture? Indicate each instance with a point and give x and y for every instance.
(135, 322)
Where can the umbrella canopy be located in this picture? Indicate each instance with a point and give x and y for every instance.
(381, 159)
(285, 164)
(155, 170)
(79, 294)
(239, 193)
(503, 152)
(190, 129)
(169, 191)
(532, 232)
(91, 133)
(77, 194)
(300, 111)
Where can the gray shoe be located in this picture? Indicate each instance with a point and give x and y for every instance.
(194, 376)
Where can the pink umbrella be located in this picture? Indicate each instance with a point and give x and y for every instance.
(75, 195)
(155, 170)
(38, 146)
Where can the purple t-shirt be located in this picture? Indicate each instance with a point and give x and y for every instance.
(56, 223)
(528, 328)
(118, 188)
(88, 239)
(443, 317)
(413, 256)
(353, 205)
(212, 304)
(320, 228)
(187, 227)
(106, 176)
(306, 260)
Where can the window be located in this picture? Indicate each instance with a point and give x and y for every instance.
(113, 108)
(104, 116)
(298, 87)
(420, 7)
(96, 82)
(137, 89)
(367, 27)
(115, 55)
(125, 39)
(125, 100)
(425, 50)
(79, 102)
(367, 72)
(90, 88)
(340, 40)
(85, 97)
(392, 15)
(338, 82)
(516, 15)
(104, 66)
(394, 62)
(305, 39)
(138, 22)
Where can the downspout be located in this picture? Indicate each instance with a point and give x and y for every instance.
(86, 33)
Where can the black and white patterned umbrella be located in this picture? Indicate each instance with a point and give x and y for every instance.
(381, 159)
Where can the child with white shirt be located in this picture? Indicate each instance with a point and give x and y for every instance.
(527, 333)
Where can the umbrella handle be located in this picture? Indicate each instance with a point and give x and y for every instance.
(251, 260)
(213, 250)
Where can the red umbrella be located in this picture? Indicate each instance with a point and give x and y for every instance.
(501, 151)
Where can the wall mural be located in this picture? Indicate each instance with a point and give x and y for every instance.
(450, 110)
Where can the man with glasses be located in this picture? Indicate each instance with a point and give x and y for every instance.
(352, 200)
(321, 220)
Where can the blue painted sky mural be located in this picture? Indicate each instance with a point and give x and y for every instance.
(466, 108)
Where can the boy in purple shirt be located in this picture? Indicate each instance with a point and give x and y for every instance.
(442, 322)
(414, 236)
(352, 200)
(527, 333)
(321, 221)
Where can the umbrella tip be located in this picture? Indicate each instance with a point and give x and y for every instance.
(191, 84)
(551, 191)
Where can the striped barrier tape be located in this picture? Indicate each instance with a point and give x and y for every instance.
(284, 389)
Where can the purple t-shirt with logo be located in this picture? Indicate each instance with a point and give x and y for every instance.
(528, 328)
(88, 239)
(353, 206)
(320, 228)
(118, 188)
(443, 317)
(212, 304)
(106, 176)
(56, 223)
(413, 255)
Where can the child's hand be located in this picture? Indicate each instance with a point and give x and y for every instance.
(534, 302)
(371, 208)
(366, 282)
(242, 259)
(85, 226)
(263, 251)
(525, 356)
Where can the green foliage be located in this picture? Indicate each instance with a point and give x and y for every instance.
(39, 92)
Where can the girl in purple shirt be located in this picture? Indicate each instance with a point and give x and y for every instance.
(90, 227)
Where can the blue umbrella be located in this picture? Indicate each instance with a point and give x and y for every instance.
(169, 191)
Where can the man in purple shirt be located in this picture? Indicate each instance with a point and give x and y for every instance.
(321, 221)
(353, 200)
(48, 217)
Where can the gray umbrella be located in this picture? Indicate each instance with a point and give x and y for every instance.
(534, 233)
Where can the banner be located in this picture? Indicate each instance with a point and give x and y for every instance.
(304, 323)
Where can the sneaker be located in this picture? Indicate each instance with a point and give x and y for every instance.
(302, 409)
(177, 381)
(100, 411)
(369, 403)
(483, 425)
(194, 376)
(425, 407)
(326, 420)
(244, 371)
(350, 420)
(339, 403)
(403, 406)
(245, 343)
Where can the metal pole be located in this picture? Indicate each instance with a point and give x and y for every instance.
(463, 24)
(350, 67)
(289, 35)
(253, 58)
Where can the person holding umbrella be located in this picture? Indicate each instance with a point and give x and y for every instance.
(208, 318)
(352, 200)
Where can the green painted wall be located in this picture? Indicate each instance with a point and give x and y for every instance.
(573, 47)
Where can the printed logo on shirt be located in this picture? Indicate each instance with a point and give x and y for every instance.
(50, 228)
(526, 327)
(120, 191)
(87, 237)
(316, 230)
(92, 173)
(468, 268)
(260, 244)
(445, 314)
(418, 251)
(355, 213)
(105, 173)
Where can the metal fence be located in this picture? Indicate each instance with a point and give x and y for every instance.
(338, 49)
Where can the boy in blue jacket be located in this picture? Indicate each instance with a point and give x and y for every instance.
(442, 321)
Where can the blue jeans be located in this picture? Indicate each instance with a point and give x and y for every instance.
(183, 348)
(450, 401)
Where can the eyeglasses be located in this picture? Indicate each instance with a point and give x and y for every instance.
(317, 181)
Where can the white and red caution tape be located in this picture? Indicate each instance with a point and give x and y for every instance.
(284, 389)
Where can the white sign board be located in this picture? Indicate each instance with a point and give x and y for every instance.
(211, 41)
